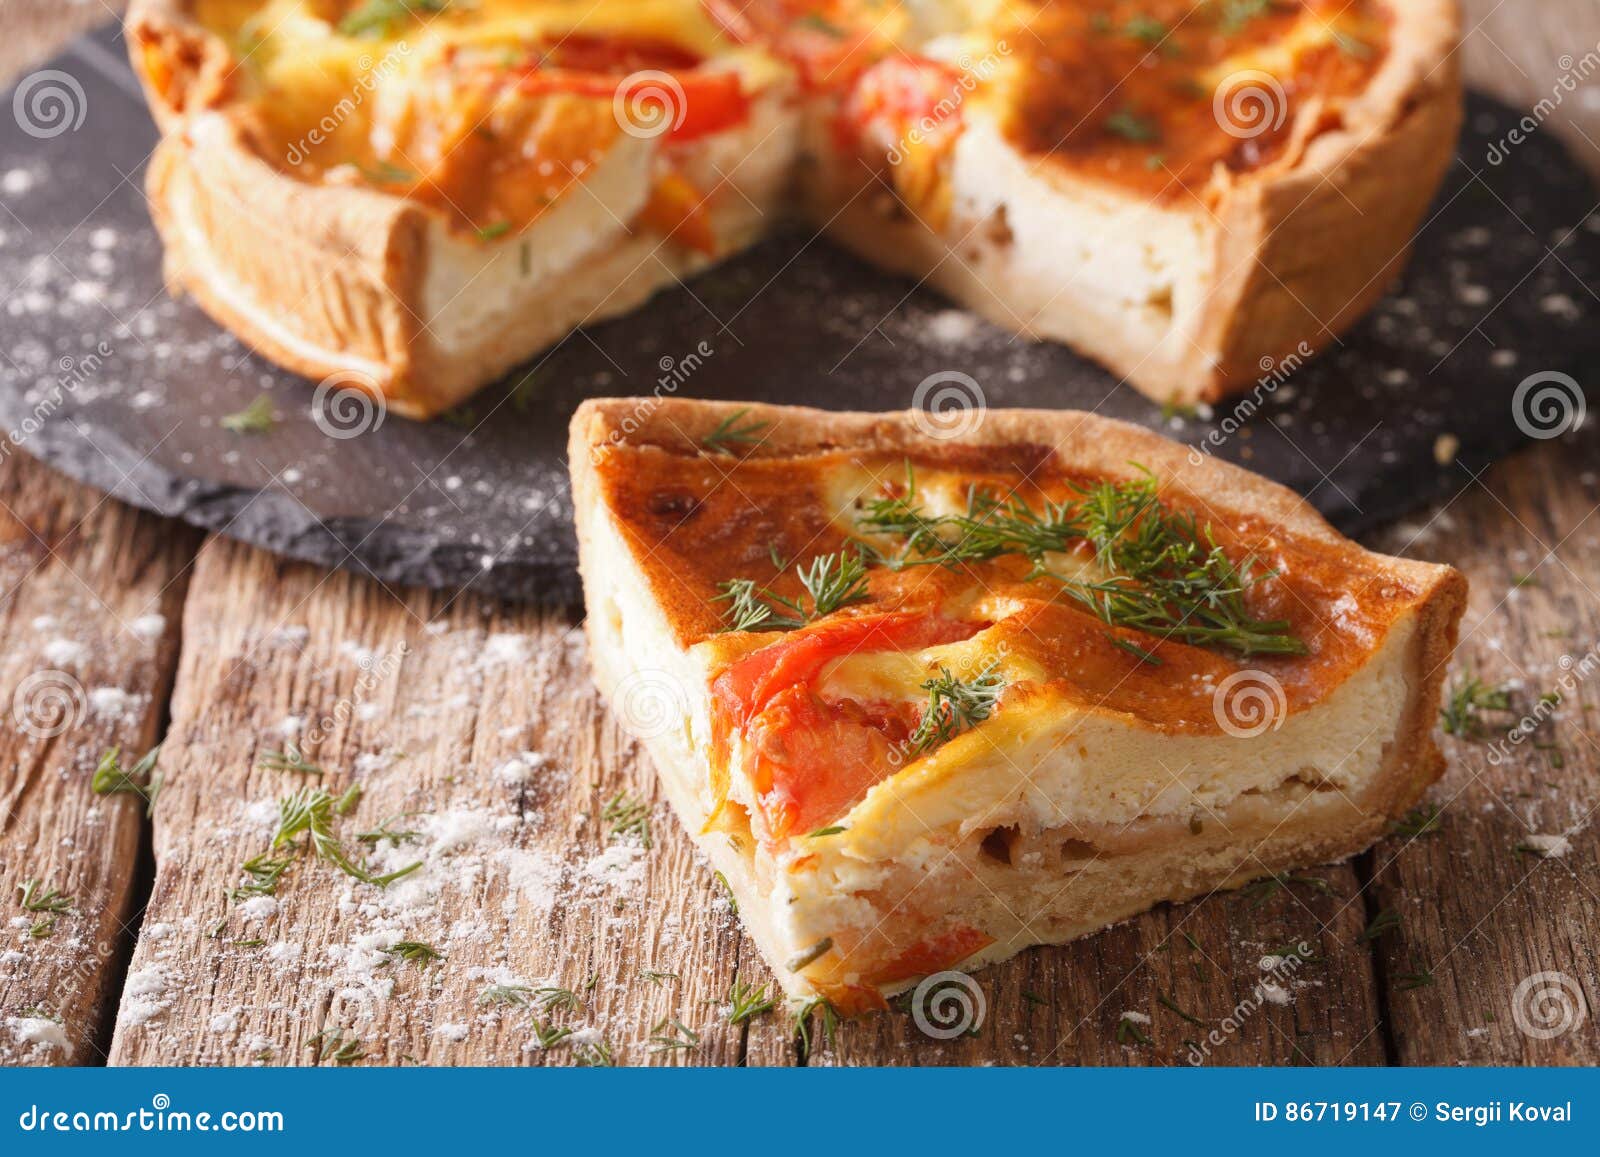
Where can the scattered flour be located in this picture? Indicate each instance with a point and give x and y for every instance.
(40, 1034)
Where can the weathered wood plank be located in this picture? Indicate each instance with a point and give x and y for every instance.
(89, 598)
(481, 718)
(1509, 936)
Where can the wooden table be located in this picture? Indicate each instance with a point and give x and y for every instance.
(482, 715)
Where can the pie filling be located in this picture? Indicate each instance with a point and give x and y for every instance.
(919, 671)
(492, 112)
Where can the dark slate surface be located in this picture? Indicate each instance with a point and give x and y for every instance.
(111, 381)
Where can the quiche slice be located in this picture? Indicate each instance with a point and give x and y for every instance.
(416, 196)
(924, 702)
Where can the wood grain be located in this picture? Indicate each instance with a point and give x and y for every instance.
(90, 593)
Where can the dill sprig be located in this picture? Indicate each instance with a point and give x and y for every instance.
(264, 872)
(956, 705)
(1410, 981)
(746, 1002)
(831, 581)
(375, 19)
(517, 994)
(142, 779)
(733, 901)
(289, 759)
(553, 997)
(1128, 1030)
(36, 897)
(670, 1034)
(1171, 1005)
(594, 1055)
(628, 816)
(413, 952)
(730, 434)
(1167, 576)
(1260, 891)
(655, 977)
(549, 1035)
(1467, 698)
(330, 1045)
(1423, 820)
(801, 1025)
(384, 832)
(256, 418)
(310, 811)
(1384, 922)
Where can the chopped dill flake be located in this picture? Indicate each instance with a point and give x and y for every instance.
(517, 994)
(1384, 922)
(801, 1024)
(1034, 998)
(1171, 1005)
(657, 977)
(1410, 981)
(746, 1002)
(1130, 126)
(289, 759)
(956, 705)
(496, 230)
(830, 831)
(413, 952)
(1419, 821)
(1133, 649)
(811, 955)
(1465, 702)
(1263, 890)
(1236, 14)
(375, 19)
(733, 902)
(36, 897)
(142, 779)
(671, 1034)
(551, 997)
(594, 1055)
(257, 418)
(264, 872)
(330, 1045)
(1128, 1030)
(627, 816)
(395, 836)
(549, 1035)
(730, 434)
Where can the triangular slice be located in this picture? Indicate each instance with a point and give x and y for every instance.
(926, 700)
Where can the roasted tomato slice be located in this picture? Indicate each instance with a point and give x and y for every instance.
(810, 759)
(660, 89)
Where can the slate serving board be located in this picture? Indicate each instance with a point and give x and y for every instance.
(115, 383)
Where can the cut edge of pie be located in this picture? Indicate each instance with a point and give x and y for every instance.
(1049, 818)
(1189, 300)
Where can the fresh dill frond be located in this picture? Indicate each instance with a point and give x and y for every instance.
(36, 897)
(1171, 1005)
(330, 1045)
(627, 816)
(517, 994)
(730, 434)
(670, 1035)
(1133, 649)
(1465, 702)
(754, 608)
(1410, 981)
(733, 901)
(825, 1012)
(655, 977)
(594, 1055)
(289, 759)
(1260, 891)
(1128, 1030)
(553, 997)
(549, 1035)
(264, 872)
(834, 581)
(1422, 820)
(1384, 922)
(413, 952)
(142, 779)
(257, 418)
(746, 1002)
(395, 837)
(310, 811)
(956, 705)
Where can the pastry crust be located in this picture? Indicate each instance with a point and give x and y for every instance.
(328, 280)
(647, 623)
